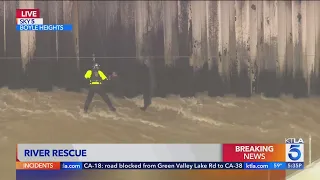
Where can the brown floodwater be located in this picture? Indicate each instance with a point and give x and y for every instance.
(27, 116)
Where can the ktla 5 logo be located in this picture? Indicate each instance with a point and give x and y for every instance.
(294, 153)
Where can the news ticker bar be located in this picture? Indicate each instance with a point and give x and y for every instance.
(44, 27)
(160, 153)
(159, 165)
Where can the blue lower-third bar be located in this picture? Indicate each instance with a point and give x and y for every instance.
(295, 165)
(44, 27)
(265, 165)
(71, 165)
(256, 165)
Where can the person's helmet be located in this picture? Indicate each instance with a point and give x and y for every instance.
(96, 66)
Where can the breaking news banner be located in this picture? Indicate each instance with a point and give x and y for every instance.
(88, 161)
(153, 156)
(287, 156)
(30, 20)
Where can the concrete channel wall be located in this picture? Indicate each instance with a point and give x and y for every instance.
(311, 172)
(165, 47)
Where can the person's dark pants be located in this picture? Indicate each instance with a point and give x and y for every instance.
(93, 89)
(147, 98)
(147, 87)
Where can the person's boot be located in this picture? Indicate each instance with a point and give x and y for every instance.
(144, 108)
(85, 110)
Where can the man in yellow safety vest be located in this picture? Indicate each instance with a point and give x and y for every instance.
(96, 78)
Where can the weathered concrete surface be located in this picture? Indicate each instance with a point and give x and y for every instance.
(311, 172)
(161, 48)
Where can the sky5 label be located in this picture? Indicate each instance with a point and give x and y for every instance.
(294, 152)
